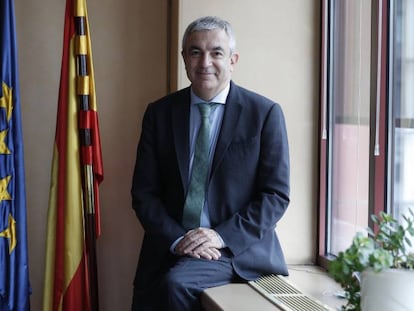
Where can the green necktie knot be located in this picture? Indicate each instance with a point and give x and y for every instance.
(205, 109)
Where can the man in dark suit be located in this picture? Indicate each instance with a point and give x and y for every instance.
(230, 236)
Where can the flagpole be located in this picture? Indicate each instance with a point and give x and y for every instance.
(83, 94)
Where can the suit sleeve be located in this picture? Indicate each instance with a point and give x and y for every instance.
(147, 188)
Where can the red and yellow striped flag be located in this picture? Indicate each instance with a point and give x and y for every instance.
(73, 215)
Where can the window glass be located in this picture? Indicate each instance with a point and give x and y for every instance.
(401, 153)
(349, 115)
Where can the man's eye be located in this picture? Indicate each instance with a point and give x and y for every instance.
(194, 52)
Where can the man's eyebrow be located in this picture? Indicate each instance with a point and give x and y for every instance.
(194, 47)
(218, 48)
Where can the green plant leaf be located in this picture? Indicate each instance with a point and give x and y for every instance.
(383, 249)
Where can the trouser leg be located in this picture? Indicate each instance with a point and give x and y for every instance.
(186, 280)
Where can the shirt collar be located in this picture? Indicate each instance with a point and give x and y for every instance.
(220, 98)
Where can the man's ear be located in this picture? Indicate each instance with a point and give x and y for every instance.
(234, 58)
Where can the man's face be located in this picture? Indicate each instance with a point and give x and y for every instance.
(208, 62)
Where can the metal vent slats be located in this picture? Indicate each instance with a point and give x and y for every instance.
(286, 296)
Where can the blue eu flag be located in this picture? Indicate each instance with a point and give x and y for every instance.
(14, 269)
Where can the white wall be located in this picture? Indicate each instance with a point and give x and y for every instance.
(278, 42)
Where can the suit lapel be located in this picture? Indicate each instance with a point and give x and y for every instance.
(231, 118)
(180, 127)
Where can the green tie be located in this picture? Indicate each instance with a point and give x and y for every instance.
(194, 201)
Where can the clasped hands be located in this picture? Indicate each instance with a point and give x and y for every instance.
(200, 243)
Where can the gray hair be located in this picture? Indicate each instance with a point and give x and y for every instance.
(210, 23)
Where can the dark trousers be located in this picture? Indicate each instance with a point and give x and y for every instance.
(180, 288)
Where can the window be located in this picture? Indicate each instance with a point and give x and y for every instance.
(401, 103)
(349, 98)
(367, 123)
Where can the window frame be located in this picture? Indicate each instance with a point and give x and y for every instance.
(378, 195)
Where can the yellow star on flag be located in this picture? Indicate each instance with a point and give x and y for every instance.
(3, 147)
(6, 101)
(10, 233)
(4, 194)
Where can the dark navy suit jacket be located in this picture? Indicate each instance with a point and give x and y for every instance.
(248, 189)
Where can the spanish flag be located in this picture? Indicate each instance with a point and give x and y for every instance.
(71, 282)
(14, 266)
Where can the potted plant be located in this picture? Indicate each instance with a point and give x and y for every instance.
(368, 268)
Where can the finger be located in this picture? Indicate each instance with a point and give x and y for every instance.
(204, 234)
(211, 236)
(194, 255)
(210, 254)
(192, 240)
(198, 240)
(188, 245)
(215, 253)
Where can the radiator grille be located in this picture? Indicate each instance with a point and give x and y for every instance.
(286, 296)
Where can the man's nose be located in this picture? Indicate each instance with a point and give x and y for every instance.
(205, 59)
